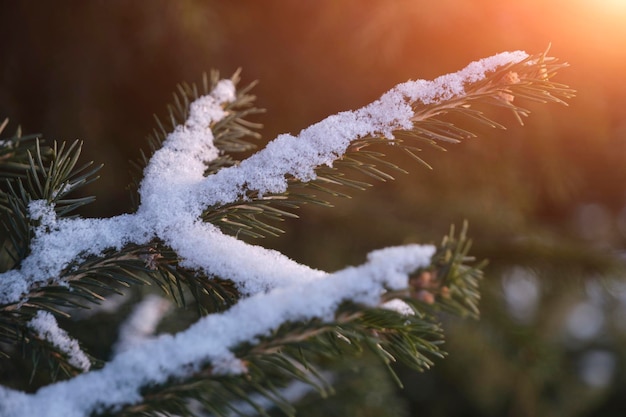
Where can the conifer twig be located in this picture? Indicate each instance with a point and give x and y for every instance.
(185, 180)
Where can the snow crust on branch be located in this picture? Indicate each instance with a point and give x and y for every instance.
(142, 322)
(45, 326)
(327, 140)
(211, 338)
(174, 193)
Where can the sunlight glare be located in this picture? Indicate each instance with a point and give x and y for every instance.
(608, 6)
(613, 4)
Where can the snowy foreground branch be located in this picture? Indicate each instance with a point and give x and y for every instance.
(211, 338)
(174, 193)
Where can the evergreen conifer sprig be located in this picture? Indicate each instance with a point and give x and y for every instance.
(14, 165)
(14, 151)
(529, 79)
(411, 335)
(268, 321)
(232, 134)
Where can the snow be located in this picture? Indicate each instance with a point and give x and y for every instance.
(45, 326)
(253, 268)
(398, 306)
(212, 337)
(44, 212)
(60, 242)
(142, 322)
(323, 142)
(174, 192)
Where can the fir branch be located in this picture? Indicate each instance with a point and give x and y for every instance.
(52, 178)
(232, 133)
(48, 174)
(385, 268)
(528, 78)
(14, 166)
(291, 351)
(452, 282)
(265, 172)
(14, 154)
(168, 239)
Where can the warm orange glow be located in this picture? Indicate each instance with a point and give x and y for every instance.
(610, 5)
(606, 9)
(591, 33)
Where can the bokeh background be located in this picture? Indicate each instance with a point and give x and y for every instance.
(546, 202)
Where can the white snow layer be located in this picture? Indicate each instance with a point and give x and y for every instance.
(209, 339)
(142, 323)
(174, 192)
(45, 326)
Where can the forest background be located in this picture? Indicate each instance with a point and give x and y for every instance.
(546, 202)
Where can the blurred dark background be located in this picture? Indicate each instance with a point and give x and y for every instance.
(546, 202)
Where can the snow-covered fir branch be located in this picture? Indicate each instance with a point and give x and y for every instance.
(46, 328)
(211, 338)
(326, 141)
(174, 190)
(174, 193)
